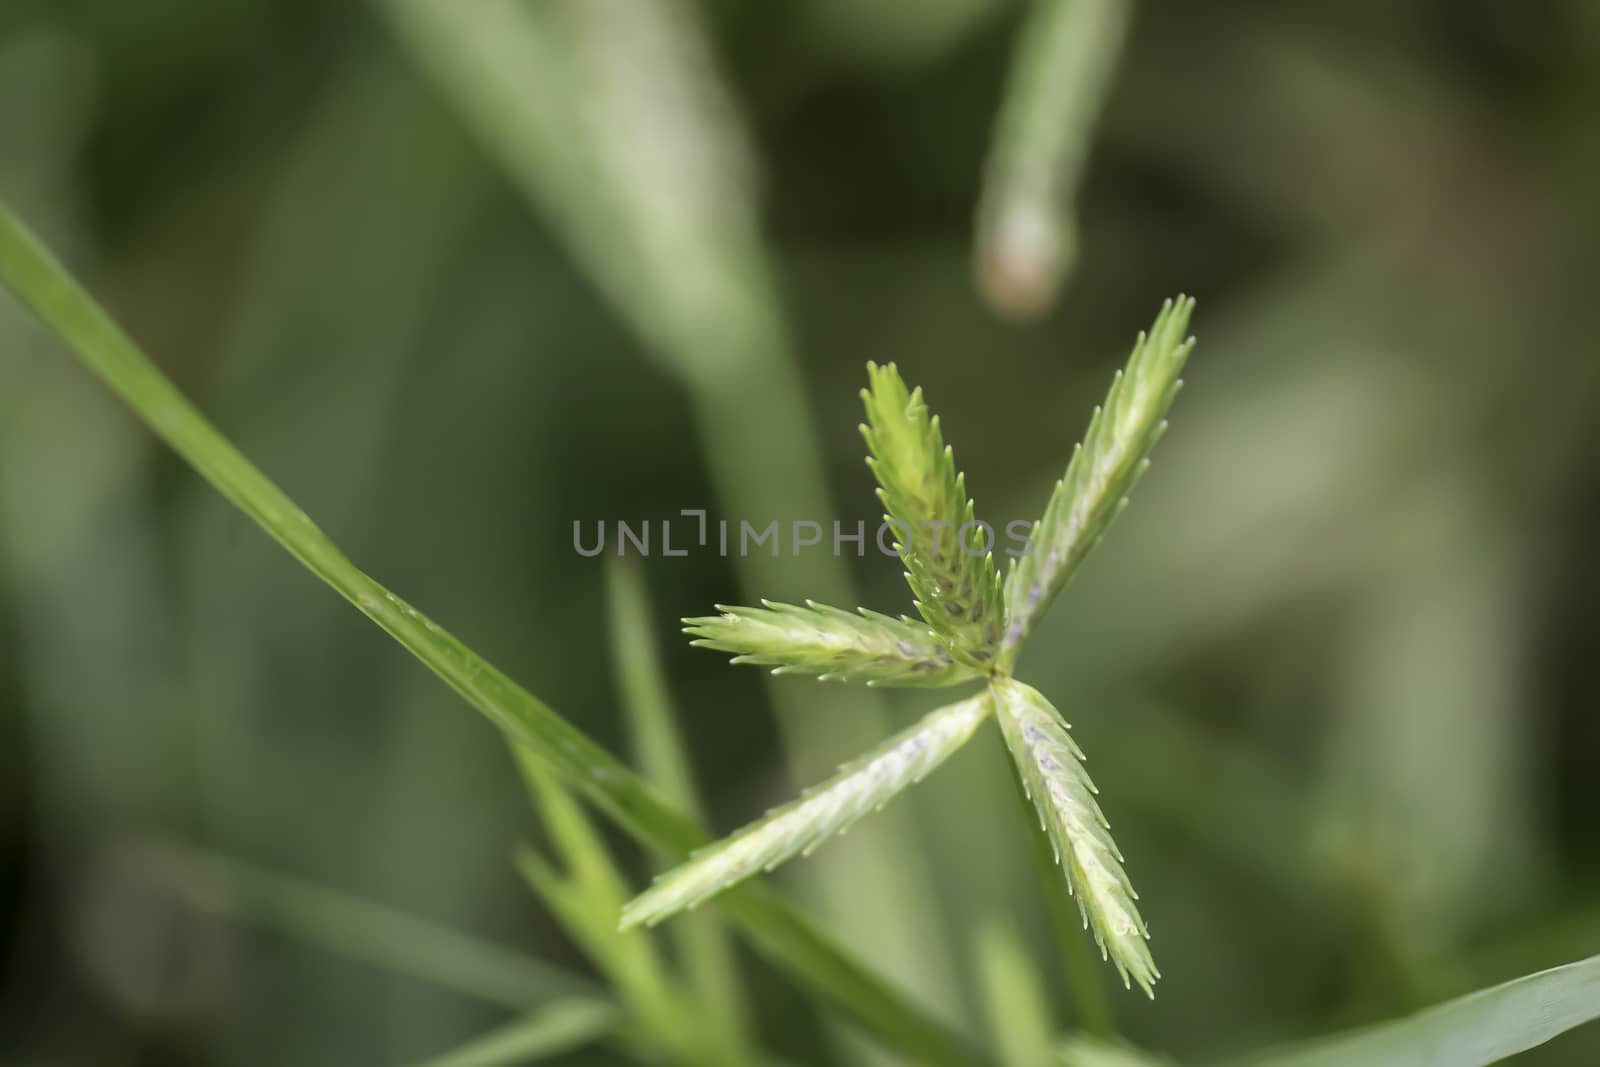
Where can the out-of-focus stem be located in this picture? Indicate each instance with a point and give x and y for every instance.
(1027, 237)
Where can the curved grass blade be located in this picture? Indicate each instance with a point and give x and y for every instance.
(1051, 767)
(947, 554)
(1114, 453)
(1480, 1028)
(773, 925)
(555, 1029)
(799, 827)
(834, 645)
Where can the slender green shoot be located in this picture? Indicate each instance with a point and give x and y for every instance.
(1027, 239)
(702, 943)
(555, 1029)
(1081, 1051)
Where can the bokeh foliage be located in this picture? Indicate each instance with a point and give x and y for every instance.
(1336, 658)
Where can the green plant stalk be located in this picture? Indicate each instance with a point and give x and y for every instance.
(1014, 997)
(774, 926)
(1084, 987)
(585, 896)
(1027, 239)
(554, 1030)
(703, 947)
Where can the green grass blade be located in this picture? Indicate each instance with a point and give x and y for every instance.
(554, 1030)
(775, 927)
(1103, 469)
(582, 852)
(646, 697)
(1027, 233)
(1014, 998)
(628, 959)
(585, 897)
(1480, 1028)
(703, 947)
(861, 786)
(353, 926)
(1090, 1052)
(832, 644)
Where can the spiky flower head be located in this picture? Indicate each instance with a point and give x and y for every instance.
(834, 645)
(973, 626)
(948, 554)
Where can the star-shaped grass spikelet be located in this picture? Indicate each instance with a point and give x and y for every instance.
(973, 626)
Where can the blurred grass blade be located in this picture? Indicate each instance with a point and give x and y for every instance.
(611, 116)
(1480, 1028)
(703, 947)
(1089, 1052)
(947, 555)
(1027, 233)
(554, 1030)
(628, 959)
(585, 898)
(774, 926)
(1014, 998)
(833, 644)
(354, 926)
(1115, 451)
(860, 787)
(646, 698)
(1082, 975)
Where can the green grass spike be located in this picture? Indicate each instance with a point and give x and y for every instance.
(834, 645)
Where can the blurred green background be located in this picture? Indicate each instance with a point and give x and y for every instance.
(455, 287)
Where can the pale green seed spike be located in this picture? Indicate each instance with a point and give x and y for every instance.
(831, 808)
(834, 645)
(1051, 767)
(945, 550)
(1103, 469)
